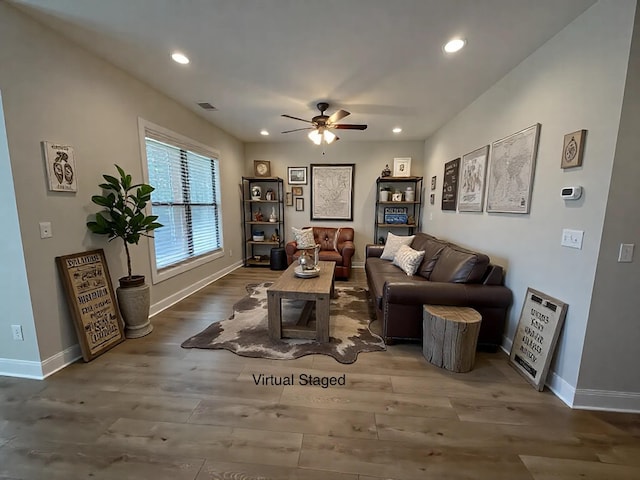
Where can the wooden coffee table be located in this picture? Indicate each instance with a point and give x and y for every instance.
(318, 290)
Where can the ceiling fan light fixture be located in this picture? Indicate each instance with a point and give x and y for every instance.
(329, 136)
(454, 45)
(315, 137)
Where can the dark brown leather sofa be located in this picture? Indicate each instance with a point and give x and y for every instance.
(448, 275)
(330, 250)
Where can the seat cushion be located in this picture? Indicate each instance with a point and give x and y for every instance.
(457, 265)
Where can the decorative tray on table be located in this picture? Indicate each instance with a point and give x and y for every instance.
(299, 272)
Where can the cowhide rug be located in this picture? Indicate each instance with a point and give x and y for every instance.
(245, 332)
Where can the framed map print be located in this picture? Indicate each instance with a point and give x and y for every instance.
(332, 191)
(513, 161)
(472, 174)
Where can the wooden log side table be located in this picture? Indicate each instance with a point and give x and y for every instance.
(450, 336)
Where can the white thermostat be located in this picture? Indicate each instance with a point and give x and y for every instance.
(571, 193)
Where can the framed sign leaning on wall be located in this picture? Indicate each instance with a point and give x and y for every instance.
(87, 285)
(539, 326)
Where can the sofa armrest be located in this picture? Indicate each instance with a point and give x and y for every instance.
(346, 249)
(291, 247)
(443, 293)
(373, 250)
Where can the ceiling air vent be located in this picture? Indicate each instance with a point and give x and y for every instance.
(207, 106)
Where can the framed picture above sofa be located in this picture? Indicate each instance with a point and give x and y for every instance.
(332, 191)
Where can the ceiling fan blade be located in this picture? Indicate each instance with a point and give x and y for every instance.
(349, 126)
(339, 115)
(298, 129)
(296, 118)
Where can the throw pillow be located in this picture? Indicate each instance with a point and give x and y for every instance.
(335, 240)
(394, 242)
(304, 237)
(408, 259)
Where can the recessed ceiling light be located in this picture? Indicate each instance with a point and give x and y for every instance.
(264, 133)
(396, 130)
(454, 45)
(180, 58)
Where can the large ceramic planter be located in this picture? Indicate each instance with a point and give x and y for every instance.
(134, 301)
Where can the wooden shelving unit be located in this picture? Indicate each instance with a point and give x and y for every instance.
(411, 209)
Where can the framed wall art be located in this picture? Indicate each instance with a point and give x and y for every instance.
(87, 285)
(402, 167)
(289, 197)
(297, 191)
(61, 167)
(332, 191)
(538, 329)
(573, 149)
(450, 185)
(433, 182)
(511, 168)
(299, 204)
(473, 169)
(262, 168)
(297, 175)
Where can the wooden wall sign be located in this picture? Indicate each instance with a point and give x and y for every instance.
(87, 284)
(540, 323)
(450, 185)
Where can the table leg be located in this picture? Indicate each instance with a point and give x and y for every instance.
(274, 315)
(323, 303)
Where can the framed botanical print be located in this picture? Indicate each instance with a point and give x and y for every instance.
(573, 149)
(262, 168)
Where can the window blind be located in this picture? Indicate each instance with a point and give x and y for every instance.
(186, 201)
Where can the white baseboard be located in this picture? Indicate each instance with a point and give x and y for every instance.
(60, 360)
(21, 368)
(191, 289)
(39, 370)
(611, 401)
(556, 384)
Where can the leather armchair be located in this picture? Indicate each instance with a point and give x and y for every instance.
(338, 250)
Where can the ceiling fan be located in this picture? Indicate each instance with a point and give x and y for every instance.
(322, 125)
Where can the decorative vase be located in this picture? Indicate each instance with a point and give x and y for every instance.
(384, 195)
(409, 194)
(134, 301)
(272, 217)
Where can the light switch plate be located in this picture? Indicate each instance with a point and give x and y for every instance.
(626, 253)
(572, 238)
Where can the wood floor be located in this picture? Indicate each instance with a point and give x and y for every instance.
(149, 409)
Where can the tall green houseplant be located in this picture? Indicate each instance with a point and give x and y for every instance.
(124, 215)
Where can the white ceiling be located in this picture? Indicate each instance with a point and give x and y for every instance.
(382, 60)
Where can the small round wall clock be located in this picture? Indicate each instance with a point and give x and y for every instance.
(262, 168)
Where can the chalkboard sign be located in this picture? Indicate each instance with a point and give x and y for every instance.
(450, 185)
(87, 284)
(540, 323)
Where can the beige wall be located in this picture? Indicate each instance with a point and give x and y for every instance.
(53, 90)
(575, 81)
(369, 159)
(610, 354)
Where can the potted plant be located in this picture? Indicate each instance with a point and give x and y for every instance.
(124, 218)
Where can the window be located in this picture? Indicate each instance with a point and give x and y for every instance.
(186, 178)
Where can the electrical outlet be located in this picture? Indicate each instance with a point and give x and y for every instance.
(17, 332)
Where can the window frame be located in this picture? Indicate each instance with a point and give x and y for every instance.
(180, 141)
